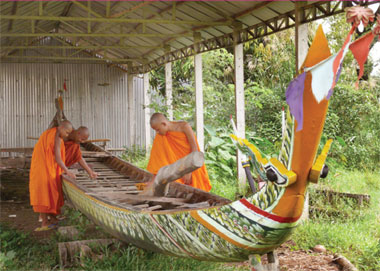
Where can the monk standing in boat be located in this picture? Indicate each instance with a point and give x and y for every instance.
(73, 152)
(174, 140)
(45, 186)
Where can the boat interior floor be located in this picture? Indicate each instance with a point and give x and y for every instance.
(120, 183)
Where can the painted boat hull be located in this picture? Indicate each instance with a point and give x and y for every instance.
(228, 233)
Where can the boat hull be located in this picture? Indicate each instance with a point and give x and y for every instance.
(228, 233)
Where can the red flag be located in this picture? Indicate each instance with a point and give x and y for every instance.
(64, 85)
(360, 50)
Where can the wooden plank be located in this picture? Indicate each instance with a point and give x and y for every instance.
(152, 208)
(110, 189)
(204, 204)
(86, 154)
(142, 206)
(21, 150)
(173, 172)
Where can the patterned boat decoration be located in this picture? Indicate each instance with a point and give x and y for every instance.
(188, 222)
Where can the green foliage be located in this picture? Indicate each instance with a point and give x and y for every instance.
(352, 230)
(353, 120)
(133, 154)
(220, 155)
(19, 251)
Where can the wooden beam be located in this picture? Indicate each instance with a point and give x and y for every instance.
(22, 150)
(173, 172)
(199, 101)
(147, 114)
(169, 90)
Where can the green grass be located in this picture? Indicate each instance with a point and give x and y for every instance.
(355, 231)
(21, 252)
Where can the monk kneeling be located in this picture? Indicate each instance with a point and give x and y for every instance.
(47, 165)
(174, 140)
(73, 152)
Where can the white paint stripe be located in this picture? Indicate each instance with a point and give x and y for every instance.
(262, 220)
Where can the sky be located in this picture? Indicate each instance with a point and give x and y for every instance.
(375, 51)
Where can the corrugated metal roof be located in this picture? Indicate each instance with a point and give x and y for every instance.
(147, 33)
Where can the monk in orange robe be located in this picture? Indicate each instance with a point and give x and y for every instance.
(174, 140)
(73, 152)
(45, 186)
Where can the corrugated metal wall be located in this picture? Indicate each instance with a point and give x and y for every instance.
(96, 97)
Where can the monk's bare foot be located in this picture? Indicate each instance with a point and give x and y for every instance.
(53, 219)
(45, 220)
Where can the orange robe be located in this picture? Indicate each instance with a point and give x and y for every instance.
(171, 147)
(45, 185)
(73, 153)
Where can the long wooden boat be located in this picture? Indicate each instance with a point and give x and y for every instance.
(188, 222)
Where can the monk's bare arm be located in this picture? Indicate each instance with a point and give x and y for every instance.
(57, 156)
(186, 128)
(90, 172)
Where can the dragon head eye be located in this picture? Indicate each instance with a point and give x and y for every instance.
(324, 171)
(271, 175)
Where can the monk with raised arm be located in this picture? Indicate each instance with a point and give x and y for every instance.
(73, 152)
(174, 140)
(45, 185)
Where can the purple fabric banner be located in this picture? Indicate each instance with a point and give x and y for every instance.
(294, 98)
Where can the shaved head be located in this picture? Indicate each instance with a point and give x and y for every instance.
(159, 123)
(66, 125)
(80, 135)
(64, 129)
(157, 118)
(83, 130)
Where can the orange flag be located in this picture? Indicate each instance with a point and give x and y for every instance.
(45, 185)
(360, 50)
(171, 147)
(73, 153)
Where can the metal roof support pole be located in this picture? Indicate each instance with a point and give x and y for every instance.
(169, 85)
(148, 138)
(300, 36)
(169, 89)
(198, 93)
(131, 108)
(302, 47)
(239, 102)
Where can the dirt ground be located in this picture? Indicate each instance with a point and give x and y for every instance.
(16, 211)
